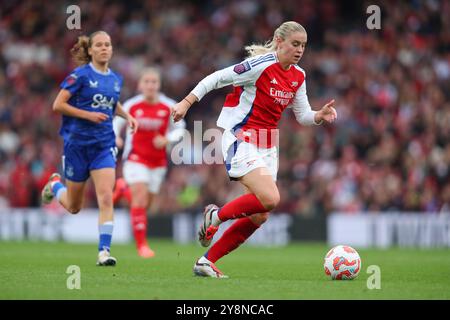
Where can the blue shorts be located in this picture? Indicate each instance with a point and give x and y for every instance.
(78, 161)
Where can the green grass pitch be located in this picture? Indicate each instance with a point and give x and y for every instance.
(37, 270)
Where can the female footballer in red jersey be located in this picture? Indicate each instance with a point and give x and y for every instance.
(145, 153)
(264, 85)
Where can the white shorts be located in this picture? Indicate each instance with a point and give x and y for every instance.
(242, 157)
(135, 172)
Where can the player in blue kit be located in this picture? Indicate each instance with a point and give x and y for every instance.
(88, 101)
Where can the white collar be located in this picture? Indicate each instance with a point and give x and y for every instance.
(98, 71)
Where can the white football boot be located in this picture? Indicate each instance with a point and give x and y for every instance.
(205, 268)
(207, 230)
(105, 259)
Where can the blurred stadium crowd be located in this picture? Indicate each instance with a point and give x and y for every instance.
(388, 151)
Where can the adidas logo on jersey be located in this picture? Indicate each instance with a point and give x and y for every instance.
(274, 81)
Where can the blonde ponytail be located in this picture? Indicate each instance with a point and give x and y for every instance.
(283, 31)
(257, 49)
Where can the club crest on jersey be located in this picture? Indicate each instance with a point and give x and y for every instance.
(294, 83)
(242, 67)
(93, 84)
(116, 87)
(69, 171)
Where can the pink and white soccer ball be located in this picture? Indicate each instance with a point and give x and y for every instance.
(342, 263)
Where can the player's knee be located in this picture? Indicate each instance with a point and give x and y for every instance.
(139, 204)
(105, 199)
(74, 210)
(139, 201)
(74, 207)
(270, 201)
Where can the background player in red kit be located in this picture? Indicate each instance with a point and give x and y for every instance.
(264, 85)
(145, 153)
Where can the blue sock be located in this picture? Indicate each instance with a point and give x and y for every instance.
(58, 188)
(106, 230)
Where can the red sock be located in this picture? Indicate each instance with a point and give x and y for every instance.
(243, 206)
(121, 190)
(117, 195)
(127, 195)
(232, 238)
(139, 224)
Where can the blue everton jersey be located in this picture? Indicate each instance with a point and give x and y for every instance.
(92, 91)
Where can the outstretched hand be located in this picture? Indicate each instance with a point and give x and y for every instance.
(328, 112)
(179, 110)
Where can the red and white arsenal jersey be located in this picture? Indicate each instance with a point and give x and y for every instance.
(262, 90)
(153, 120)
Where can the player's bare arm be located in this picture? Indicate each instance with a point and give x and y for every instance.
(132, 122)
(60, 105)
